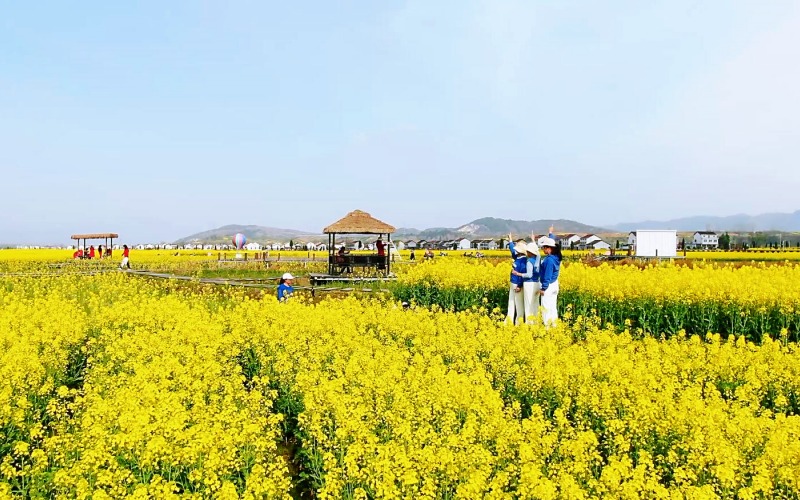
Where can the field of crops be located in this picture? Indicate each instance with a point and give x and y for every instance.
(113, 385)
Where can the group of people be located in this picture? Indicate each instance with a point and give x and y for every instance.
(91, 253)
(534, 281)
(101, 253)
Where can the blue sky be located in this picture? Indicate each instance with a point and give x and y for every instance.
(160, 119)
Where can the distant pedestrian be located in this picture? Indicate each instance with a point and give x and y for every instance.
(551, 266)
(285, 289)
(381, 246)
(126, 253)
(91, 252)
(412, 256)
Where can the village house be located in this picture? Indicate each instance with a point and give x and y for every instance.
(705, 239)
(484, 244)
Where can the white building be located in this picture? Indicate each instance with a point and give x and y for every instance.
(253, 246)
(464, 244)
(568, 240)
(632, 239)
(598, 245)
(484, 244)
(705, 239)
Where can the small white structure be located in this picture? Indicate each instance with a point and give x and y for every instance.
(253, 246)
(598, 245)
(311, 245)
(464, 244)
(656, 243)
(632, 239)
(705, 239)
(484, 245)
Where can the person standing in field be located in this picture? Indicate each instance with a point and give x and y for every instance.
(516, 303)
(91, 252)
(551, 266)
(285, 288)
(530, 281)
(126, 262)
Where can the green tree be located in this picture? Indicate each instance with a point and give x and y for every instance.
(725, 241)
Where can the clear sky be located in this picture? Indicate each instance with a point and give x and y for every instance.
(161, 119)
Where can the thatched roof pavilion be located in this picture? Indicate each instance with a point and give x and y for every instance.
(358, 222)
(107, 237)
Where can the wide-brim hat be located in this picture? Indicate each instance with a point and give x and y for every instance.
(532, 248)
(520, 247)
(287, 276)
(546, 241)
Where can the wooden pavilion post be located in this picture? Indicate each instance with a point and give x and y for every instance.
(389, 254)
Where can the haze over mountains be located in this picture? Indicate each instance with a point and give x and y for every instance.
(740, 222)
(493, 227)
(484, 227)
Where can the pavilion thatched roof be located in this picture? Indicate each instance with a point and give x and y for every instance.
(94, 236)
(358, 222)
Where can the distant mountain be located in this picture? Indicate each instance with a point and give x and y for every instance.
(479, 228)
(490, 226)
(252, 233)
(739, 223)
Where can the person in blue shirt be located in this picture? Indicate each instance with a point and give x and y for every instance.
(285, 289)
(551, 265)
(530, 281)
(516, 303)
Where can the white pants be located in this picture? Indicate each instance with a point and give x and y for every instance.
(530, 290)
(549, 304)
(516, 304)
(124, 262)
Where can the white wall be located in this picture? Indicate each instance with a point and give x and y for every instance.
(656, 243)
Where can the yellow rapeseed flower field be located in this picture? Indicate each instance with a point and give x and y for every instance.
(116, 386)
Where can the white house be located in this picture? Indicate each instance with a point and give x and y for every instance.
(568, 240)
(588, 239)
(484, 244)
(411, 244)
(598, 245)
(464, 244)
(705, 239)
(632, 239)
(399, 245)
(311, 245)
(253, 246)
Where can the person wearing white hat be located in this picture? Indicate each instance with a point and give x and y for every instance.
(551, 265)
(285, 289)
(516, 302)
(530, 282)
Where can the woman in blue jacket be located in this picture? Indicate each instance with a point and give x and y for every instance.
(530, 282)
(516, 303)
(551, 265)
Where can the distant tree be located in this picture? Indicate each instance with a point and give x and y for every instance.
(291, 244)
(617, 245)
(725, 241)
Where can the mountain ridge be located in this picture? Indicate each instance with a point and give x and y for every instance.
(775, 221)
(483, 227)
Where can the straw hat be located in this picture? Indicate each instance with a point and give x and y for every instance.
(532, 248)
(287, 276)
(520, 247)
